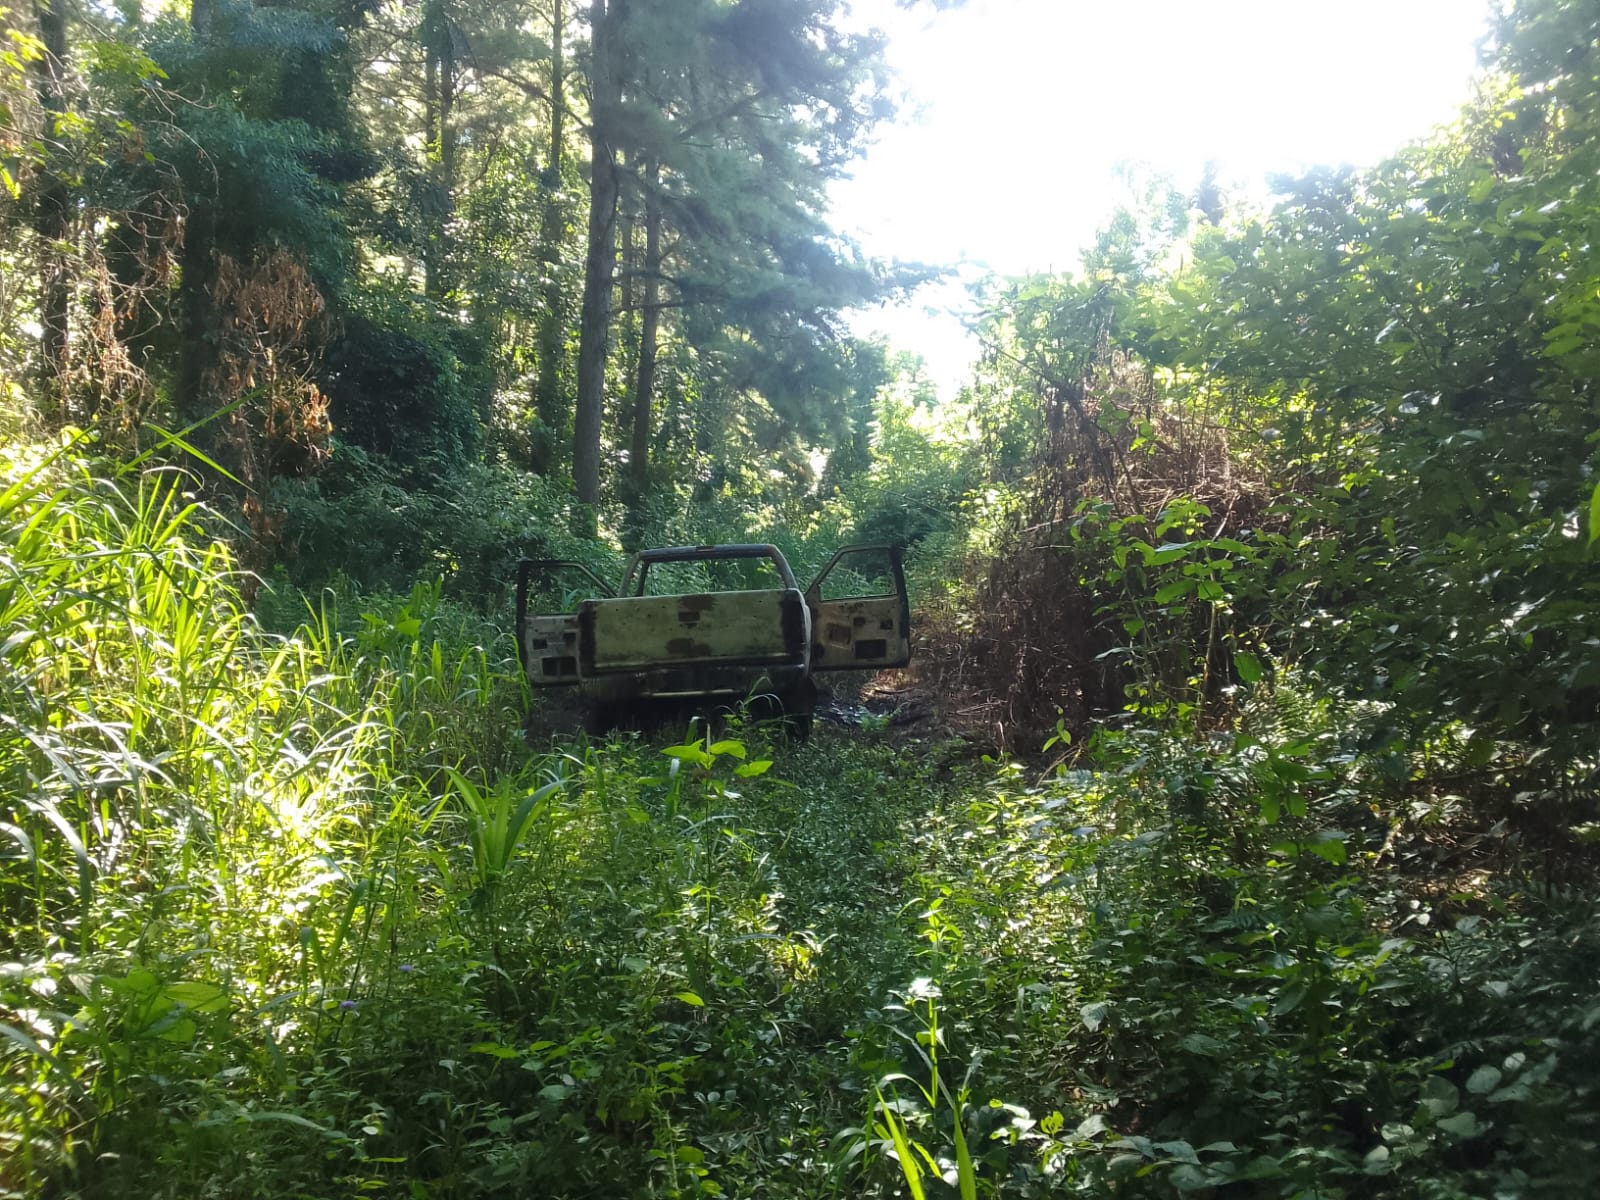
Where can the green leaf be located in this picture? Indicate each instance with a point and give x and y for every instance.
(729, 747)
(1166, 552)
(1187, 1178)
(1289, 999)
(1094, 1015)
(1594, 515)
(1484, 1080)
(22, 1039)
(909, 1167)
(966, 1175)
(690, 998)
(289, 1118)
(1199, 1043)
(198, 997)
(1172, 591)
(1247, 667)
(1462, 1124)
(494, 1049)
(751, 769)
(1328, 844)
(1440, 1097)
(138, 982)
(181, 1031)
(690, 752)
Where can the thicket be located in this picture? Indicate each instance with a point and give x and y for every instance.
(302, 915)
(1264, 544)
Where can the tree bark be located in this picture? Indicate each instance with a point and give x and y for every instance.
(549, 410)
(439, 95)
(52, 218)
(599, 264)
(195, 304)
(645, 381)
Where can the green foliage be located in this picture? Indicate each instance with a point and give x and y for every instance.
(407, 385)
(302, 915)
(1395, 365)
(1201, 966)
(1174, 595)
(292, 909)
(360, 524)
(1432, 391)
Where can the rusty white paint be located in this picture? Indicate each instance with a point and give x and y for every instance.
(550, 648)
(860, 634)
(638, 632)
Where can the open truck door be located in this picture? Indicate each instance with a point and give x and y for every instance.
(547, 643)
(860, 611)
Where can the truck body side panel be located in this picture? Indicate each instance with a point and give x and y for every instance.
(639, 633)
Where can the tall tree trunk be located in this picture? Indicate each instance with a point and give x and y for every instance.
(547, 400)
(645, 381)
(439, 97)
(627, 328)
(599, 262)
(52, 218)
(195, 303)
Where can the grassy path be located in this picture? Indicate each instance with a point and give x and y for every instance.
(690, 993)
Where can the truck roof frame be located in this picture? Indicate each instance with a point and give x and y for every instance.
(670, 554)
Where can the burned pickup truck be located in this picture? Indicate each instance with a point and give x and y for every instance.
(701, 625)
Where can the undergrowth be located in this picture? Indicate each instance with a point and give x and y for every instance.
(301, 915)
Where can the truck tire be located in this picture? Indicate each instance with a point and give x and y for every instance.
(600, 717)
(799, 710)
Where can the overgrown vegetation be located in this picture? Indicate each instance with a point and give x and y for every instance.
(1236, 836)
(300, 915)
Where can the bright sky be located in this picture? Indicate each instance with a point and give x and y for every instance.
(1018, 113)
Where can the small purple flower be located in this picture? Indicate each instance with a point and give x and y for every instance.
(346, 1005)
(407, 968)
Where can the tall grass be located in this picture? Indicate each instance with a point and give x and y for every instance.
(302, 915)
(197, 820)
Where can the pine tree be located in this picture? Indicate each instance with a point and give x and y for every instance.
(733, 119)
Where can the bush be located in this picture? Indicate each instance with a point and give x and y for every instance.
(358, 522)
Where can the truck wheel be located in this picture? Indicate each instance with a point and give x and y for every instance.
(799, 708)
(600, 718)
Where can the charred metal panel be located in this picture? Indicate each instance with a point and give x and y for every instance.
(637, 633)
(547, 644)
(869, 633)
(550, 650)
(733, 682)
(629, 645)
(863, 632)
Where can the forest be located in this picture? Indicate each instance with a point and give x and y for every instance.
(1234, 832)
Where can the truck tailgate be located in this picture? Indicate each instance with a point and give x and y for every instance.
(633, 633)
